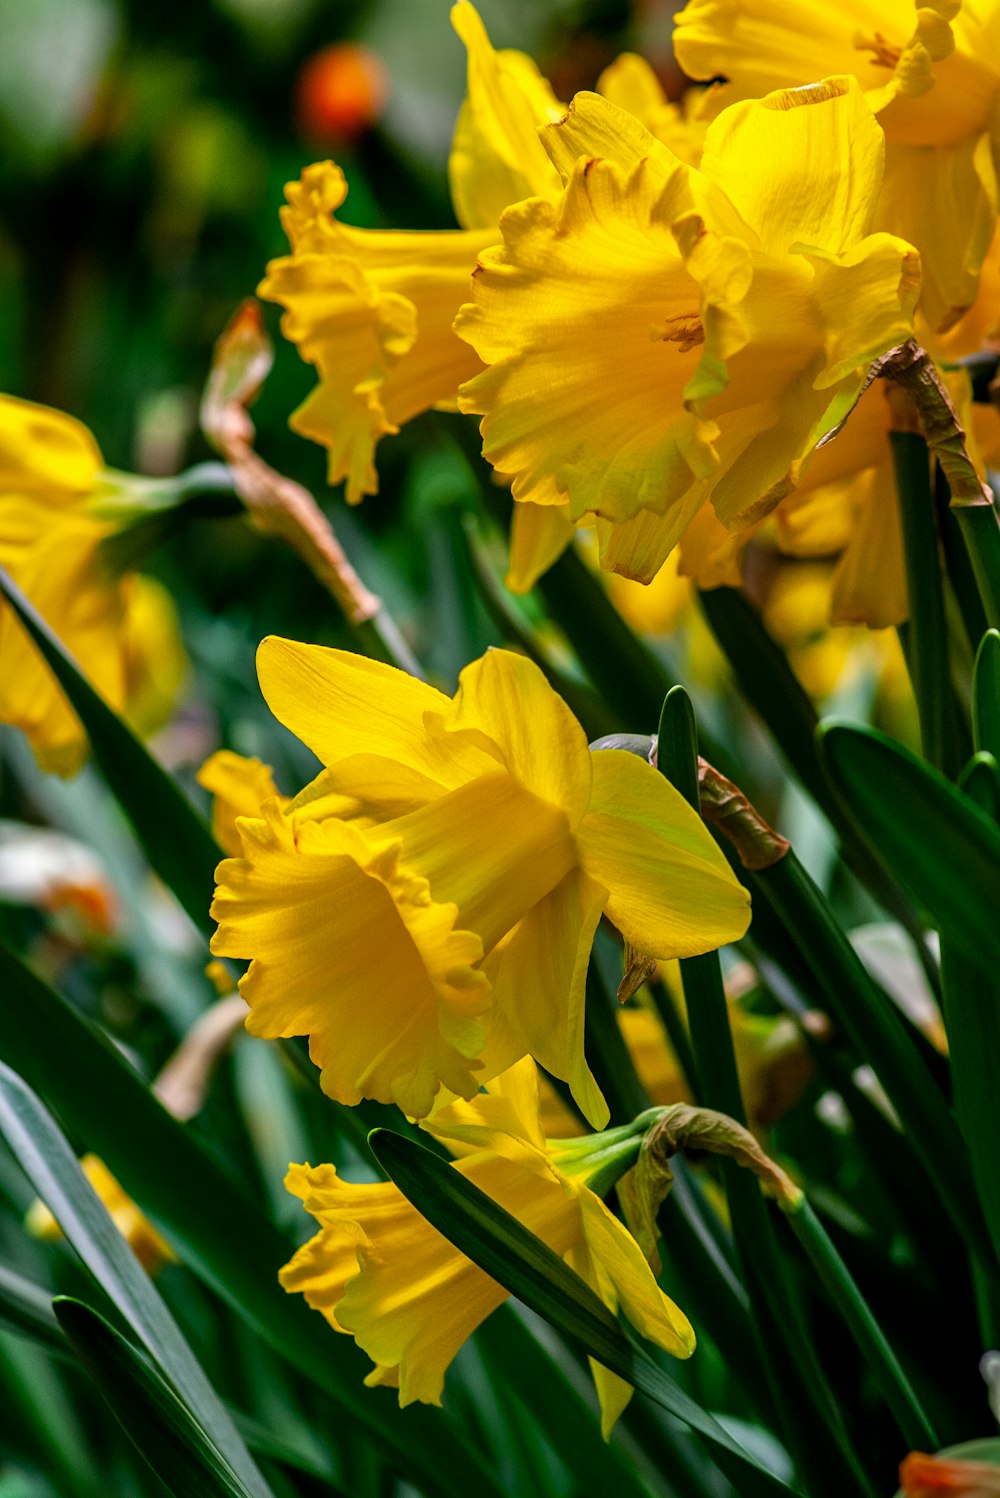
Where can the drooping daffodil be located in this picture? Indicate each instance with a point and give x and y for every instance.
(663, 336)
(424, 910)
(378, 1271)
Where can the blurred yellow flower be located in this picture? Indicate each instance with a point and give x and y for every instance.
(378, 1270)
(931, 72)
(663, 336)
(121, 630)
(150, 1249)
(424, 910)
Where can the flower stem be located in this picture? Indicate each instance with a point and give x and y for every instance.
(833, 1272)
(926, 632)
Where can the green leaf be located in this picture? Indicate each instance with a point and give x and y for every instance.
(942, 848)
(529, 1269)
(162, 1429)
(54, 1172)
(986, 694)
(216, 1229)
(173, 836)
(27, 1308)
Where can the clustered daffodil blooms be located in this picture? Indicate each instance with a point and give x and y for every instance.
(424, 910)
(378, 1270)
(372, 310)
(931, 73)
(122, 629)
(662, 336)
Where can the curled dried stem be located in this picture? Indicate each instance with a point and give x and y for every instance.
(928, 409)
(726, 807)
(276, 504)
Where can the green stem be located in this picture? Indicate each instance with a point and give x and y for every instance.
(812, 1421)
(980, 527)
(677, 1034)
(917, 1429)
(771, 687)
(927, 635)
(877, 1032)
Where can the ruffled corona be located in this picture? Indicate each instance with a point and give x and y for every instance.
(930, 71)
(378, 1270)
(122, 630)
(424, 910)
(663, 336)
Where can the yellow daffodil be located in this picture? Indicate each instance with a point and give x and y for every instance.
(149, 1247)
(122, 630)
(663, 336)
(373, 309)
(424, 910)
(378, 1270)
(931, 72)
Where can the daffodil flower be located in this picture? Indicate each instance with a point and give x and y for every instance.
(373, 309)
(424, 910)
(663, 336)
(931, 72)
(378, 1270)
(121, 629)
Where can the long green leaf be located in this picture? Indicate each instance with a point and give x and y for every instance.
(163, 1430)
(942, 848)
(55, 1173)
(212, 1223)
(529, 1269)
(173, 836)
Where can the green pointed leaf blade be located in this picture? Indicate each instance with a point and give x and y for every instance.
(943, 849)
(216, 1229)
(483, 1230)
(54, 1172)
(163, 1431)
(986, 694)
(173, 836)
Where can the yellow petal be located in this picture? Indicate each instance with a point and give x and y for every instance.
(45, 452)
(239, 786)
(372, 310)
(341, 704)
(672, 892)
(866, 297)
(653, 1314)
(55, 559)
(507, 697)
(539, 534)
(509, 1106)
(638, 547)
(802, 165)
(869, 585)
(943, 200)
(539, 978)
(351, 949)
(758, 45)
(496, 157)
(490, 848)
(589, 323)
